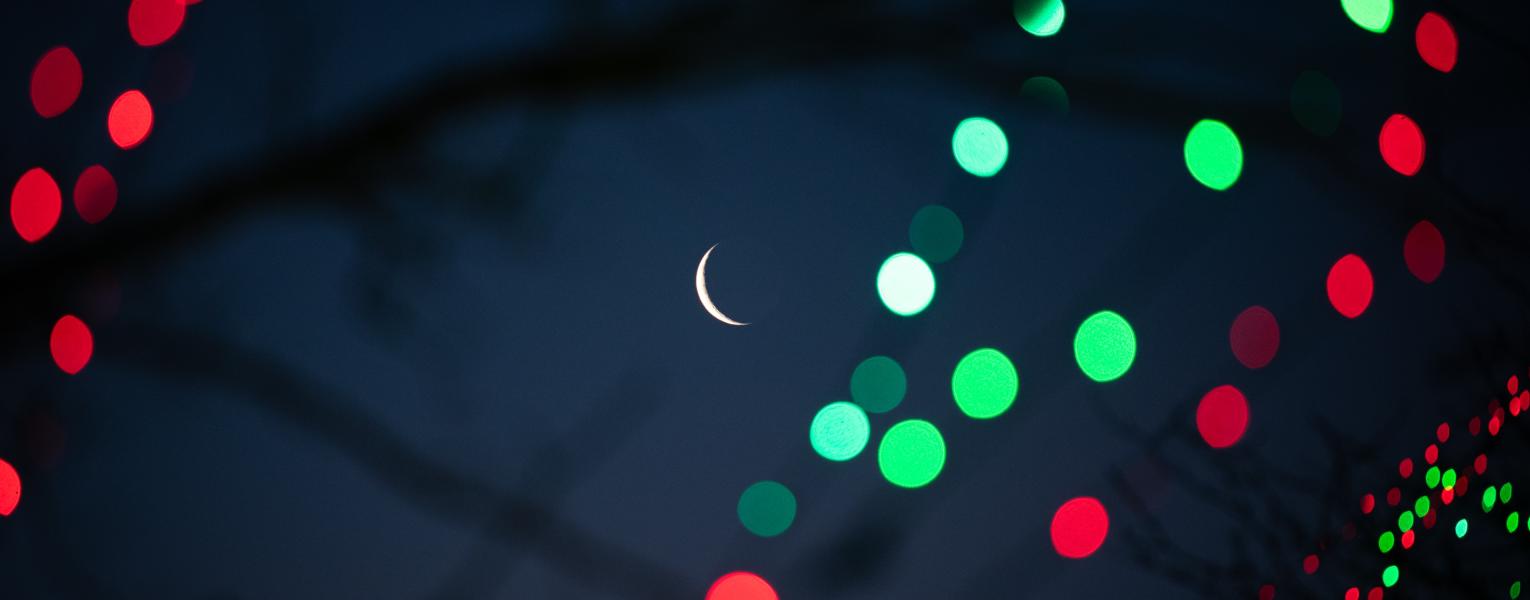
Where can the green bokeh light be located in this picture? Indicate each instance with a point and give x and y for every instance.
(1386, 541)
(1514, 590)
(984, 384)
(980, 146)
(911, 454)
(1041, 18)
(767, 508)
(1213, 154)
(905, 284)
(1389, 576)
(1316, 103)
(1432, 477)
(1505, 493)
(1405, 521)
(839, 431)
(935, 233)
(1371, 15)
(1421, 506)
(1461, 527)
(1512, 523)
(878, 384)
(1489, 497)
(1449, 479)
(1105, 346)
(1045, 94)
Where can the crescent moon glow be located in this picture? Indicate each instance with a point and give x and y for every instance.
(701, 291)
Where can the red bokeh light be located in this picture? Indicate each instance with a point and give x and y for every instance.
(1402, 145)
(1479, 465)
(1431, 453)
(130, 119)
(1367, 503)
(1255, 336)
(1436, 41)
(1424, 251)
(56, 82)
(1374, 594)
(1513, 384)
(95, 194)
(1474, 426)
(1079, 527)
(1407, 539)
(10, 489)
(1267, 591)
(35, 205)
(1352, 594)
(71, 344)
(1442, 432)
(1405, 468)
(1394, 496)
(154, 22)
(741, 585)
(1310, 564)
(1447, 495)
(1222, 416)
(1350, 286)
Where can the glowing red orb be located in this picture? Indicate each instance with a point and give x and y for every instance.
(56, 82)
(1222, 416)
(1079, 527)
(71, 344)
(154, 22)
(35, 205)
(95, 194)
(130, 119)
(1436, 41)
(1402, 145)
(1255, 336)
(10, 489)
(741, 585)
(1424, 251)
(1367, 504)
(1405, 468)
(1350, 286)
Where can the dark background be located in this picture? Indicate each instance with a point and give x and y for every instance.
(397, 298)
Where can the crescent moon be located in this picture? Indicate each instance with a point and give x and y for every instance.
(701, 291)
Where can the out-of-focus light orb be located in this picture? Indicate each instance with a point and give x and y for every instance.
(1461, 527)
(1316, 103)
(935, 233)
(984, 384)
(1046, 94)
(71, 344)
(912, 453)
(1424, 251)
(1350, 286)
(1436, 41)
(767, 508)
(1512, 522)
(1041, 18)
(1222, 416)
(1105, 346)
(980, 146)
(1389, 576)
(1421, 506)
(839, 431)
(1371, 15)
(35, 205)
(56, 82)
(1505, 493)
(878, 384)
(1405, 521)
(130, 119)
(741, 585)
(1254, 337)
(1310, 564)
(1386, 541)
(1267, 591)
(10, 489)
(1489, 497)
(906, 284)
(1213, 154)
(1079, 527)
(1514, 591)
(154, 22)
(1402, 145)
(95, 194)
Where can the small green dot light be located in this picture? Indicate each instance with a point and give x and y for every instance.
(1489, 497)
(878, 384)
(1449, 479)
(984, 384)
(767, 508)
(1371, 15)
(1390, 575)
(1421, 506)
(1461, 528)
(1213, 154)
(1386, 541)
(905, 284)
(980, 146)
(1432, 477)
(935, 233)
(1505, 492)
(1041, 18)
(839, 431)
(911, 454)
(1105, 346)
(1514, 591)
(1405, 521)
(1512, 523)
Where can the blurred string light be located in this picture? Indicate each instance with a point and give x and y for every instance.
(1254, 337)
(878, 384)
(839, 431)
(980, 146)
(1316, 103)
(1402, 144)
(1105, 346)
(984, 384)
(1424, 252)
(10, 489)
(1436, 42)
(56, 82)
(767, 508)
(1213, 154)
(1222, 416)
(741, 585)
(1371, 15)
(154, 22)
(1041, 18)
(935, 233)
(35, 205)
(95, 194)
(1350, 286)
(905, 284)
(130, 119)
(1079, 527)
(1046, 94)
(71, 344)
(912, 453)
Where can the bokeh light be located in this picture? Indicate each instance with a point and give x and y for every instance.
(911, 454)
(905, 284)
(1350, 286)
(154, 22)
(1046, 94)
(1489, 498)
(1461, 528)
(839, 431)
(10, 489)
(1512, 522)
(935, 233)
(1079, 527)
(1222, 416)
(1389, 576)
(1041, 18)
(1424, 251)
(35, 205)
(767, 508)
(56, 82)
(984, 383)
(1505, 493)
(1213, 154)
(741, 585)
(878, 384)
(1386, 541)
(1254, 337)
(1316, 103)
(1405, 521)
(1105, 346)
(1402, 144)
(980, 146)
(1514, 590)
(95, 194)
(71, 344)
(1436, 41)
(1310, 564)
(1371, 15)
(130, 119)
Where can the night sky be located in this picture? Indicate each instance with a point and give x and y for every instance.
(397, 299)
